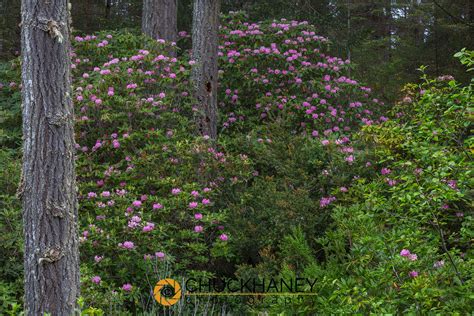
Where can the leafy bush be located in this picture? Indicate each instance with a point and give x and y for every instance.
(400, 237)
(11, 249)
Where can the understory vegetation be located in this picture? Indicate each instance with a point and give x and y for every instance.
(311, 176)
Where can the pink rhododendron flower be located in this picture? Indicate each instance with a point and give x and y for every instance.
(404, 252)
(157, 206)
(127, 287)
(149, 227)
(137, 203)
(223, 237)
(128, 245)
(325, 201)
(413, 274)
(96, 279)
(438, 264)
(350, 159)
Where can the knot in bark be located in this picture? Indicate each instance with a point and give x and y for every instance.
(52, 27)
(57, 119)
(51, 255)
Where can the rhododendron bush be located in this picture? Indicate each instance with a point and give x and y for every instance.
(308, 177)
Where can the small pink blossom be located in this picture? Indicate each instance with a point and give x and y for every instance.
(405, 253)
(325, 201)
(413, 274)
(438, 264)
(223, 237)
(157, 206)
(452, 184)
(127, 287)
(128, 245)
(96, 279)
(349, 159)
(149, 227)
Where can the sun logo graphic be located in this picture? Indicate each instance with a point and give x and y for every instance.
(167, 292)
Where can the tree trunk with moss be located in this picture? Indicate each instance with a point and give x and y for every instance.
(48, 187)
(205, 70)
(160, 19)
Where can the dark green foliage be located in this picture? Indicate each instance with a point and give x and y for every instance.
(423, 149)
(11, 253)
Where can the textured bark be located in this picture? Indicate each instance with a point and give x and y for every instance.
(205, 71)
(48, 188)
(160, 19)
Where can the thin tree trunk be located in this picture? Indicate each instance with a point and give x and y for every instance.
(160, 19)
(348, 44)
(108, 7)
(205, 72)
(48, 187)
(435, 26)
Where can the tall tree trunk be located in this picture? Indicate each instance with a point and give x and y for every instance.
(205, 72)
(48, 187)
(160, 19)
